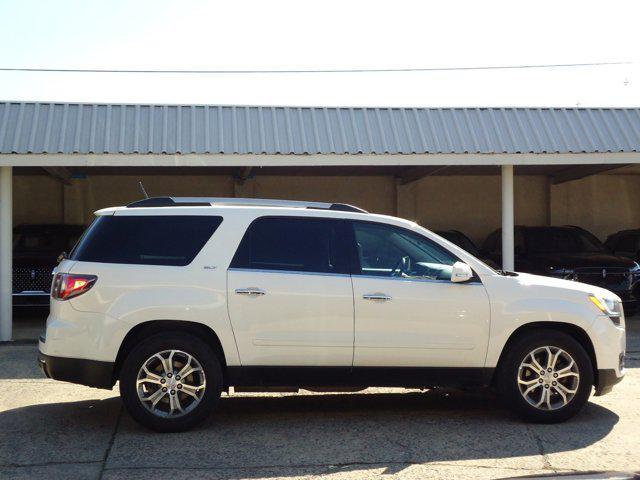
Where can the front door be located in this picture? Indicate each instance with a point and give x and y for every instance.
(290, 295)
(408, 312)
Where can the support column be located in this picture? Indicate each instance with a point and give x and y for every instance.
(6, 253)
(507, 218)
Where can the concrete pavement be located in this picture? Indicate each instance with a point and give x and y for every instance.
(51, 429)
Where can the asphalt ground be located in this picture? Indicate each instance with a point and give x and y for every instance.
(50, 429)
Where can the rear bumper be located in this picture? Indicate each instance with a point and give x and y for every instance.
(77, 370)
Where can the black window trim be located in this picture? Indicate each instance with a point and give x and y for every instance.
(349, 244)
(343, 244)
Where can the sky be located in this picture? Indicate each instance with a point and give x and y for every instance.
(242, 35)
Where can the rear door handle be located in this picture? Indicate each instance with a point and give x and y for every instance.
(377, 296)
(250, 291)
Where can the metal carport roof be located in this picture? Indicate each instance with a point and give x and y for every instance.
(68, 128)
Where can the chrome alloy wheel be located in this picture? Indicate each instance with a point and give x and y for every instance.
(171, 383)
(548, 378)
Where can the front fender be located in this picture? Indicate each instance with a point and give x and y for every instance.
(516, 303)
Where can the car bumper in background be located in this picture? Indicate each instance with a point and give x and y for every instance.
(31, 299)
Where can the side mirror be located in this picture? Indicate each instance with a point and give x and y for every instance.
(461, 272)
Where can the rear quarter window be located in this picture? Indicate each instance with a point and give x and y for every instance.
(172, 240)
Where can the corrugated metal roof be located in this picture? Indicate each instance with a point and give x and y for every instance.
(27, 127)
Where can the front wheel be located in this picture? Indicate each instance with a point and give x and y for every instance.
(171, 382)
(545, 376)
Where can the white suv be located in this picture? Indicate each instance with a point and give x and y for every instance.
(182, 298)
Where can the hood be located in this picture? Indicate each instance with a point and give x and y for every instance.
(527, 279)
(581, 260)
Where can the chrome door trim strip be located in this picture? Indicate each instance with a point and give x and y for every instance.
(416, 279)
(287, 272)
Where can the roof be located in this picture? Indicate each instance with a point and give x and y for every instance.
(28, 127)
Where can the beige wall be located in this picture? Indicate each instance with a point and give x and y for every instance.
(602, 203)
(471, 204)
(376, 194)
(37, 199)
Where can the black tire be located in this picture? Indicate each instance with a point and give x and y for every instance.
(171, 341)
(507, 375)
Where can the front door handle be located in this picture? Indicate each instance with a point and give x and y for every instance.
(377, 296)
(250, 291)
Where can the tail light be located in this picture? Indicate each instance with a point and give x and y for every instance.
(69, 285)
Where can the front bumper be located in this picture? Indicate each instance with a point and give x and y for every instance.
(606, 380)
(77, 370)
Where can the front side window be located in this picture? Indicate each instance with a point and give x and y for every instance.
(387, 251)
(172, 240)
(293, 244)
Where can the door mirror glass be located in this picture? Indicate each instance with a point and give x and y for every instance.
(461, 272)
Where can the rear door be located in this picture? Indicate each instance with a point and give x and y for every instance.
(290, 295)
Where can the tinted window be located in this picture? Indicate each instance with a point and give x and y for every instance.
(493, 243)
(562, 240)
(388, 251)
(627, 243)
(45, 239)
(462, 241)
(152, 240)
(294, 244)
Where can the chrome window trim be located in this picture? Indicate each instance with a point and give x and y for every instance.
(287, 272)
(415, 279)
(297, 272)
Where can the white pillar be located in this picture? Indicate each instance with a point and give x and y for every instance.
(507, 218)
(6, 253)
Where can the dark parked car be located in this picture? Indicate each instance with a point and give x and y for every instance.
(461, 240)
(35, 252)
(625, 243)
(571, 253)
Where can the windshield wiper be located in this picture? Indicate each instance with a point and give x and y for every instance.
(506, 273)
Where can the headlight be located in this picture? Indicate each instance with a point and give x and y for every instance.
(610, 307)
(635, 269)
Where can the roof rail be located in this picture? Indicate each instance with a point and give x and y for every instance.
(257, 202)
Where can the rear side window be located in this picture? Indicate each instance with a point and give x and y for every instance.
(146, 240)
(293, 244)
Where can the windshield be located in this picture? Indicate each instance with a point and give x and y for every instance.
(562, 240)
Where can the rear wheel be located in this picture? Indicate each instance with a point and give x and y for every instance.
(545, 376)
(171, 382)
